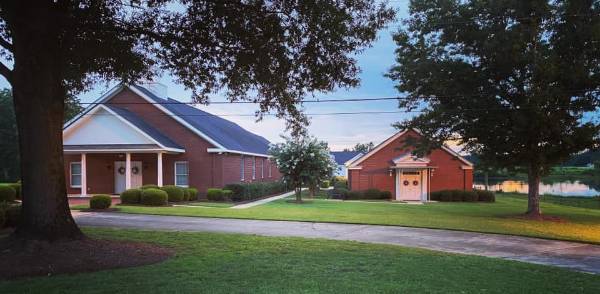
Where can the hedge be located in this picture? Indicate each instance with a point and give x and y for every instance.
(462, 196)
(251, 191)
(149, 186)
(339, 182)
(100, 201)
(192, 193)
(186, 194)
(131, 196)
(154, 197)
(174, 193)
(369, 194)
(7, 193)
(17, 187)
(325, 184)
(214, 194)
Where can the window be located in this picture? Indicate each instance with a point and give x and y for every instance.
(262, 168)
(242, 167)
(76, 174)
(181, 173)
(253, 168)
(270, 174)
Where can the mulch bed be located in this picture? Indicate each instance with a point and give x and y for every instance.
(38, 258)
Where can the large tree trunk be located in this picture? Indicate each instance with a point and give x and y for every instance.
(533, 193)
(38, 91)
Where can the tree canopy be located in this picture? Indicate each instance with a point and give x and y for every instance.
(510, 80)
(269, 52)
(303, 161)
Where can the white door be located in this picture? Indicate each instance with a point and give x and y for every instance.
(410, 186)
(136, 175)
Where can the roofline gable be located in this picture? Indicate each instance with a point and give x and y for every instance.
(398, 135)
(98, 107)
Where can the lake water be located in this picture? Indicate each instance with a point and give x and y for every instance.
(562, 188)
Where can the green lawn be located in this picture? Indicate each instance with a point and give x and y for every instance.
(581, 223)
(211, 204)
(227, 263)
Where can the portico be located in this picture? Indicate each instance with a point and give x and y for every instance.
(412, 177)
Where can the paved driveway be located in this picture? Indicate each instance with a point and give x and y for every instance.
(572, 255)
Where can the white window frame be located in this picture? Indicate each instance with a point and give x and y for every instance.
(71, 174)
(175, 173)
(254, 167)
(262, 168)
(270, 172)
(242, 168)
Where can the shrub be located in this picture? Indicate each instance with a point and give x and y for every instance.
(131, 196)
(214, 194)
(354, 195)
(174, 193)
(149, 186)
(227, 194)
(470, 196)
(7, 193)
(340, 182)
(338, 193)
(325, 184)
(17, 187)
(457, 195)
(485, 196)
(446, 195)
(186, 194)
(100, 201)
(154, 197)
(251, 191)
(372, 194)
(192, 193)
(386, 195)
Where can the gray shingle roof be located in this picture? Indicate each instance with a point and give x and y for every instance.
(342, 157)
(146, 128)
(227, 133)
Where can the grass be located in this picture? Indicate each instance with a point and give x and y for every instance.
(211, 204)
(580, 223)
(227, 263)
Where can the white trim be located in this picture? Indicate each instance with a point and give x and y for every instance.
(466, 167)
(175, 117)
(71, 174)
(353, 168)
(127, 171)
(137, 129)
(175, 173)
(112, 92)
(376, 149)
(159, 169)
(83, 174)
(398, 135)
(262, 168)
(357, 156)
(154, 150)
(242, 168)
(98, 107)
(219, 150)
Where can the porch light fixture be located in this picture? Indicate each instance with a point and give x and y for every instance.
(391, 171)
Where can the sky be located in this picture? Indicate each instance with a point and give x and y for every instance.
(339, 131)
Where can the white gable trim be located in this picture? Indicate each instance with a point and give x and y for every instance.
(377, 148)
(112, 92)
(398, 135)
(98, 107)
(176, 117)
(347, 163)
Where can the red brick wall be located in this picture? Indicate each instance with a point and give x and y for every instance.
(375, 169)
(206, 170)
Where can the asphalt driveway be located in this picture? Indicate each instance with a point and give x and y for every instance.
(572, 255)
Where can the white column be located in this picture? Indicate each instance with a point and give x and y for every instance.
(83, 175)
(127, 170)
(159, 170)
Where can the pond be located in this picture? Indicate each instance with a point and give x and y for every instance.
(562, 187)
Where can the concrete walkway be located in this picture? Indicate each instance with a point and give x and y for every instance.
(572, 255)
(262, 201)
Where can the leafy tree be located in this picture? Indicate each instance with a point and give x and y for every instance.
(364, 148)
(271, 52)
(9, 147)
(511, 80)
(303, 161)
(9, 140)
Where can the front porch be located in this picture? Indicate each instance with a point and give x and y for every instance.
(412, 180)
(113, 171)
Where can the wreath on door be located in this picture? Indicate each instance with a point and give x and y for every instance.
(121, 170)
(406, 183)
(415, 183)
(134, 170)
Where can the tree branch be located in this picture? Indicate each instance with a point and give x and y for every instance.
(7, 45)
(6, 72)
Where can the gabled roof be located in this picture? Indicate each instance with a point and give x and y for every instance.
(398, 135)
(342, 157)
(409, 160)
(146, 128)
(228, 136)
